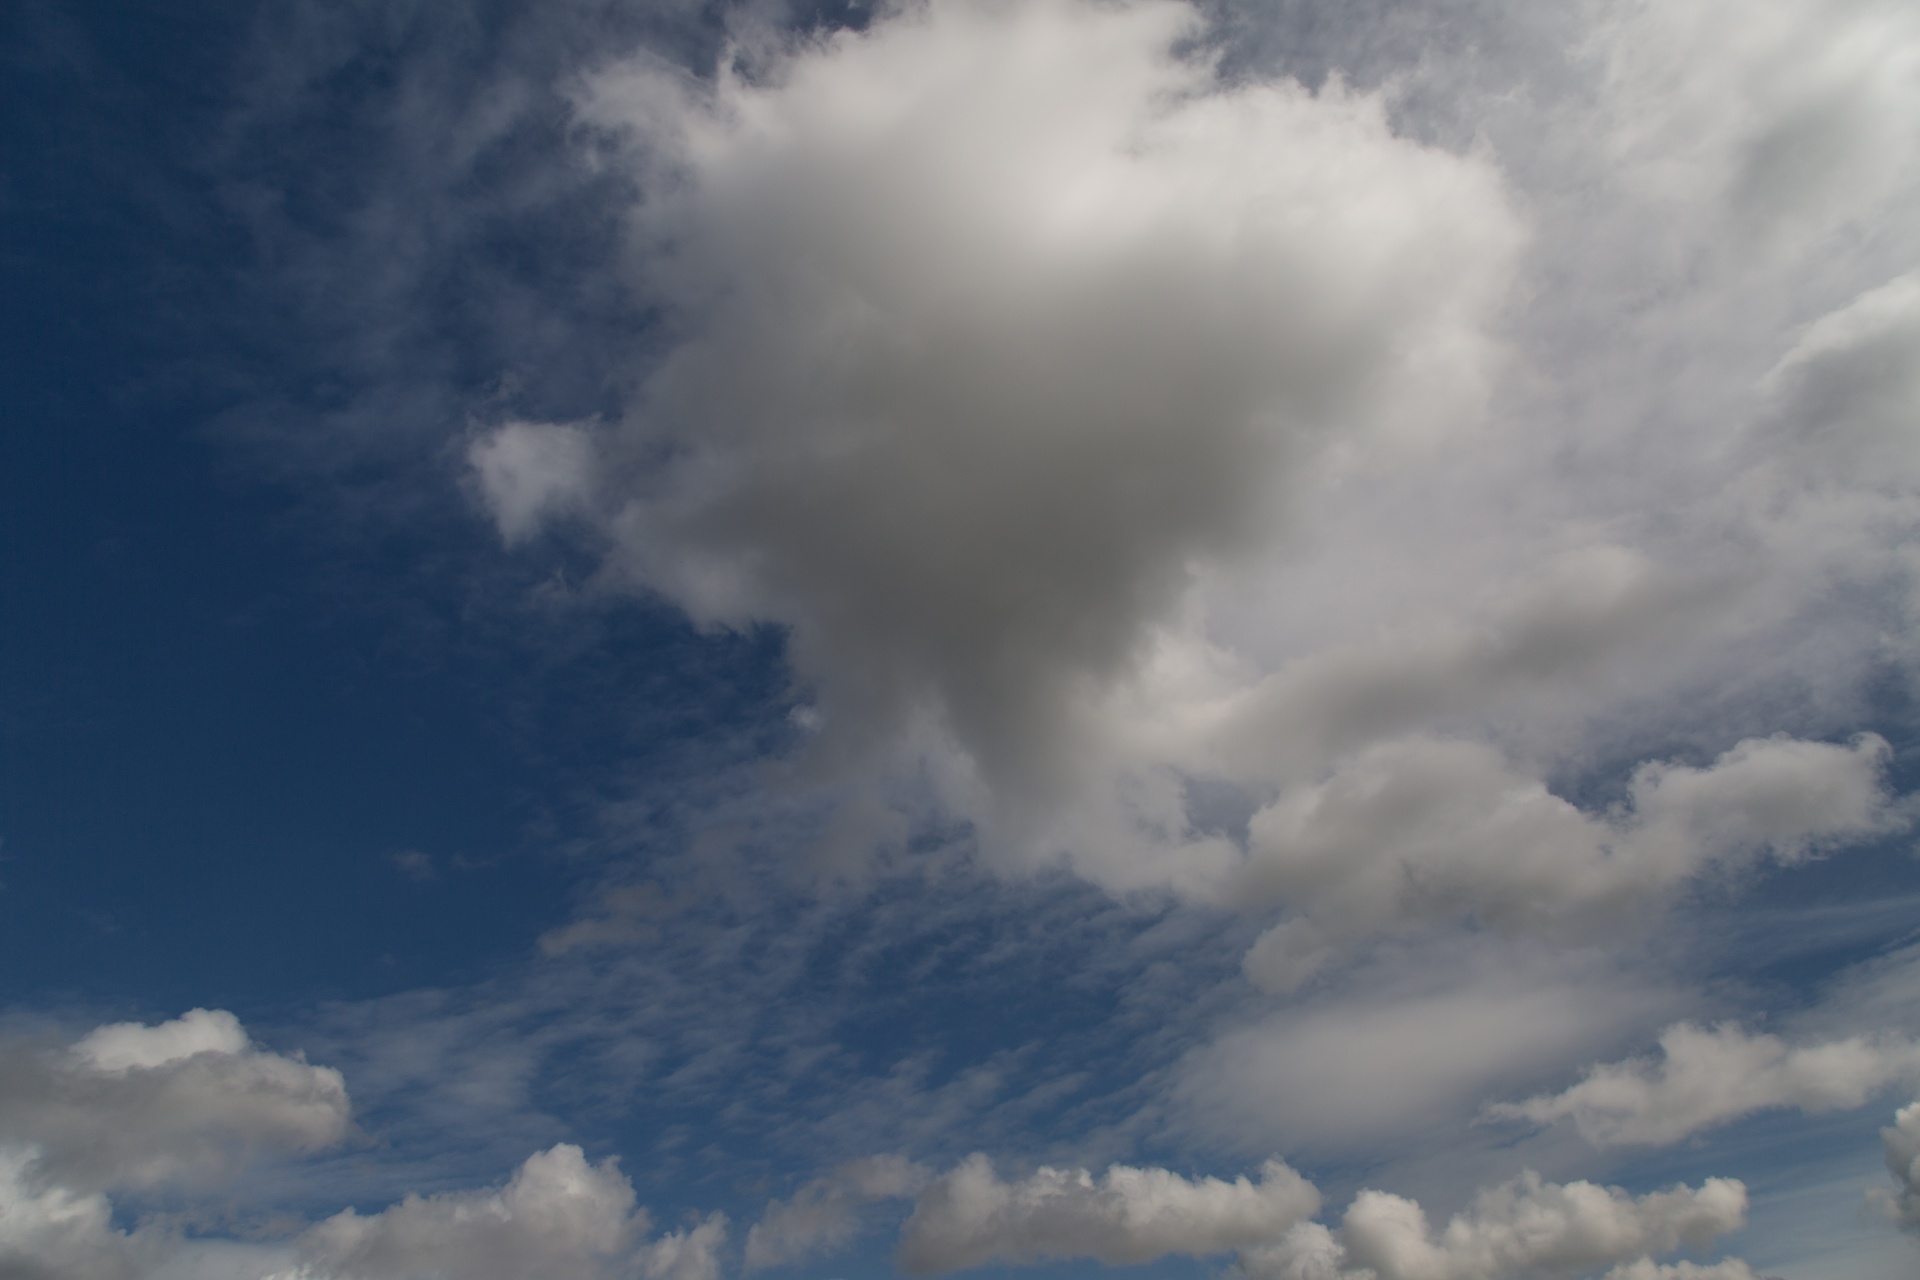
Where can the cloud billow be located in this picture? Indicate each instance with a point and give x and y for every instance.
(1018, 358)
(557, 1217)
(183, 1105)
(998, 326)
(970, 1216)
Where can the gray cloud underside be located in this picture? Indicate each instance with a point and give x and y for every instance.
(1106, 431)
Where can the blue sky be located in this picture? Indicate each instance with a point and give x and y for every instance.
(1266, 641)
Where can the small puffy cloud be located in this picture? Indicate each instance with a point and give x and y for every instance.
(1705, 1077)
(970, 1216)
(529, 472)
(191, 1100)
(825, 1212)
(558, 1217)
(1525, 1228)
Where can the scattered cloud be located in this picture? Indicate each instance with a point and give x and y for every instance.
(529, 473)
(1331, 1073)
(179, 1105)
(1527, 1227)
(558, 1217)
(1901, 1141)
(1710, 1076)
(970, 1216)
(189, 1101)
(1415, 829)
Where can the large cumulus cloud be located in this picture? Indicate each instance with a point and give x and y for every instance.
(999, 322)
(1127, 448)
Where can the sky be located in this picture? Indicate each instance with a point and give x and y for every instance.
(1202, 639)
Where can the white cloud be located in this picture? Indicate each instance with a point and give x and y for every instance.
(1773, 122)
(1158, 470)
(531, 472)
(1419, 829)
(1000, 321)
(970, 1216)
(1647, 1269)
(558, 1217)
(1333, 1073)
(130, 1107)
(1708, 1077)
(1901, 1142)
(825, 1212)
(1104, 430)
(187, 1101)
(50, 1232)
(1845, 393)
(1525, 1228)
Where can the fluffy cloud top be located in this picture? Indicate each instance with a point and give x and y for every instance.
(998, 322)
(136, 1107)
(1524, 1228)
(1708, 1077)
(1106, 432)
(970, 1216)
(1419, 828)
(50, 1232)
(558, 1217)
(133, 1106)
